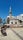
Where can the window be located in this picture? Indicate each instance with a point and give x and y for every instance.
(20, 21)
(15, 22)
(11, 22)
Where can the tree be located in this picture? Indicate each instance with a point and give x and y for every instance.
(0, 20)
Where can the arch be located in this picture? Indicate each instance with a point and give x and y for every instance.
(8, 19)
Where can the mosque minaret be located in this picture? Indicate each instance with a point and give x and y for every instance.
(12, 21)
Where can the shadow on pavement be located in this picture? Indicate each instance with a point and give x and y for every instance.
(17, 34)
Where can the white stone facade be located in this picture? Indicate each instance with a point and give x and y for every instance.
(15, 21)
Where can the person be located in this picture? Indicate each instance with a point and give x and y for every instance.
(3, 31)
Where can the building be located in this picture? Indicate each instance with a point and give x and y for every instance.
(13, 21)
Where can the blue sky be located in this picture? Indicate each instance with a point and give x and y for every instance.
(17, 7)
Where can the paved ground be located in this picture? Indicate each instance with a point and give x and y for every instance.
(13, 34)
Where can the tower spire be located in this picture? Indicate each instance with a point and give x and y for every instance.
(10, 11)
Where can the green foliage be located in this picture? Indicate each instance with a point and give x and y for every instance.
(0, 20)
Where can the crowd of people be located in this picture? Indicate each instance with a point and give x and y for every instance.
(3, 30)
